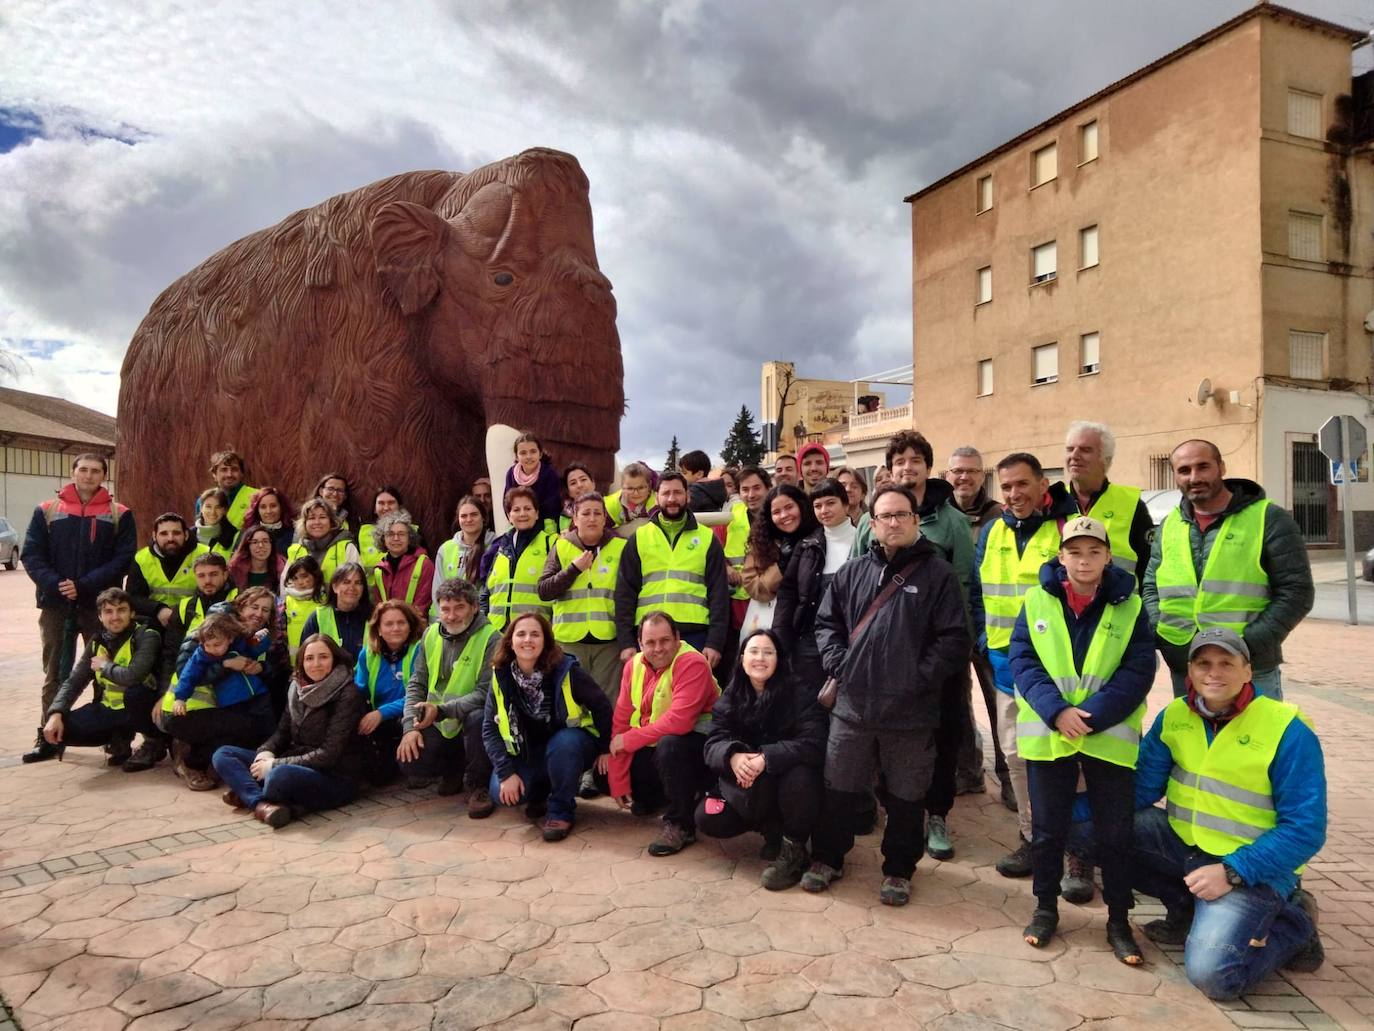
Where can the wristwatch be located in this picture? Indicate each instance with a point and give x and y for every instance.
(1234, 879)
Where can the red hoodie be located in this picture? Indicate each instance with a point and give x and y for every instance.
(694, 692)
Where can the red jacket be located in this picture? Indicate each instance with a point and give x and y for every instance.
(396, 581)
(694, 692)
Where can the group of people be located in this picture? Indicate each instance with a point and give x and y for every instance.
(784, 653)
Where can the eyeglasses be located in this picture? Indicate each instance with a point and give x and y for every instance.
(966, 472)
(333, 490)
(401, 533)
(894, 518)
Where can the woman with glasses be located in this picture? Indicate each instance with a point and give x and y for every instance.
(405, 571)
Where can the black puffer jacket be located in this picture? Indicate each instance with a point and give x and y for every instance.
(321, 730)
(799, 594)
(790, 731)
(891, 676)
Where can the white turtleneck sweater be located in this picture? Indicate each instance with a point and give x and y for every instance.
(839, 540)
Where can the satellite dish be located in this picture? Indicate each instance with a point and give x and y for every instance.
(1204, 390)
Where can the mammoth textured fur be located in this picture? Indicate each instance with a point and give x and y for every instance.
(379, 334)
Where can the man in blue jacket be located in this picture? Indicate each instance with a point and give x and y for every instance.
(1245, 789)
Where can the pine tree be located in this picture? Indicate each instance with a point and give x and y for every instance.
(674, 452)
(742, 445)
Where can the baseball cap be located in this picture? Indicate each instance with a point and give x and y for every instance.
(1220, 637)
(1085, 526)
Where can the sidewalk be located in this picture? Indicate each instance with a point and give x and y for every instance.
(126, 900)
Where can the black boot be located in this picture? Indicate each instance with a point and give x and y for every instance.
(120, 748)
(42, 751)
(788, 868)
(146, 755)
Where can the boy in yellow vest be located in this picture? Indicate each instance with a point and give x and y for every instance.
(1082, 659)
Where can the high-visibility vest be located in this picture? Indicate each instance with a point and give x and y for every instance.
(238, 505)
(336, 556)
(203, 695)
(510, 595)
(328, 624)
(192, 610)
(673, 579)
(416, 572)
(577, 716)
(297, 612)
(369, 554)
(182, 583)
(372, 662)
(1119, 744)
(737, 543)
(1234, 588)
(1115, 509)
(663, 691)
(1219, 797)
(587, 609)
(462, 679)
(1007, 577)
(616, 510)
(112, 695)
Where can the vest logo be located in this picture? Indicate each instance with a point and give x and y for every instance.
(911, 589)
(1244, 739)
(603, 570)
(1230, 536)
(1041, 626)
(693, 542)
(1108, 515)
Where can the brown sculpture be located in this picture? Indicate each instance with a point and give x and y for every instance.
(380, 333)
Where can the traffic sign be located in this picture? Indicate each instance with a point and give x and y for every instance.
(1329, 438)
(1347, 473)
(1343, 440)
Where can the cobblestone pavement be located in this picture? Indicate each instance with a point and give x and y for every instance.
(127, 901)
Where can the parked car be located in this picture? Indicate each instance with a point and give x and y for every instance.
(1367, 568)
(1161, 502)
(9, 544)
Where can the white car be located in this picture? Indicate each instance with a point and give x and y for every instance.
(1161, 502)
(9, 544)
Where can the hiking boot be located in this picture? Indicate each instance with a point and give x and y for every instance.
(586, 787)
(1008, 795)
(820, 876)
(147, 755)
(480, 805)
(451, 785)
(787, 869)
(1044, 922)
(938, 845)
(556, 830)
(772, 847)
(1077, 884)
(42, 751)
(671, 840)
(179, 752)
(274, 816)
(118, 751)
(1017, 863)
(1172, 930)
(896, 891)
(1312, 955)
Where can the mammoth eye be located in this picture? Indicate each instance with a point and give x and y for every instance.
(504, 279)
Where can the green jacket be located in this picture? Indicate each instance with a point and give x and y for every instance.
(942, 524)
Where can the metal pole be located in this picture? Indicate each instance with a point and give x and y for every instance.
(1348, 521)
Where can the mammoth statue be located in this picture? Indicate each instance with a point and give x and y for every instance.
(379, 334)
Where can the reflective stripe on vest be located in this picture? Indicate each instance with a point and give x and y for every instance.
(112, 696)
(1115, 509)
(507, 595)
(1219, 796)
(373, 664)
(297, 612)
(663, 691)
(336, 556)
(577, 716)
(1007, 576)
(182, 584)
(673, 578)
(416, 571)
(328, 624)
(1234, 588)
(736, 543)
(1119, 744)
(462, 678)
(587, 608)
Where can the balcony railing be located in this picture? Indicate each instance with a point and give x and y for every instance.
(883, 422)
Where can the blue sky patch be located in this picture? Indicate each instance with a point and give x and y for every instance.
(18, 127)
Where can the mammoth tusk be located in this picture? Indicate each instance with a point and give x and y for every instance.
(500, 448)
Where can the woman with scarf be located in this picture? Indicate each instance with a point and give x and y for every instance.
(534, 469)
(512, 566)
(347, 607)
(312, 760)
(321, 534)
(256, 562)
(461, 555)
(212, 529)
(270, 509)
(546, 722)
(786, 517)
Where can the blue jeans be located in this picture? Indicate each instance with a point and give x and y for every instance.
(1268, 683)
(552, 771)
(287, 784)
(1219, 957)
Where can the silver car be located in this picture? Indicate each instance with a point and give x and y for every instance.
(9, 544)
(1161, 502)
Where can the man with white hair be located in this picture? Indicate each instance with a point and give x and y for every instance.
(1088, 451)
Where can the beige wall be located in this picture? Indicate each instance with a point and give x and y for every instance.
(822, 404)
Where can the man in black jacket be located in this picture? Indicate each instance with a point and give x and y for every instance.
(891, 673)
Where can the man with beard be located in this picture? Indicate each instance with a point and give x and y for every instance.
(1088, 452)
(163, 573)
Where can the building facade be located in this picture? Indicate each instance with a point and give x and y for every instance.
(39, 438)
(1188, 253)
(808, 407)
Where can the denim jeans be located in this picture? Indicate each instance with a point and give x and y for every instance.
(552, 771)
(1220, 956)
(299, 786)
(1267, 683)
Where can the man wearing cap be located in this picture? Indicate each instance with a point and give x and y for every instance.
(1227, 556)
(1082, 657)
(1244, 786)
(814, 461)
(1088, 451)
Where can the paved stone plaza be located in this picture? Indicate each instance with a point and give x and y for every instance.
(128, 901)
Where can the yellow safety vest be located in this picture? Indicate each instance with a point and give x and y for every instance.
(372, 662)
(462, 678)
(238, 507)
(1234, 588)
(416, 572)
(1219, 797)
(1007, 576)
(192, 610)
(511, 595)
(1115, 509)
(328, 624)
(336, 556)
(369, 554)
(1049, 632)
(616, 510)
(182, 583)
(663, 691)
(587, 609)
(577, 716)
(736, 544)
(112, 695)
(297, 612)
(673, 579)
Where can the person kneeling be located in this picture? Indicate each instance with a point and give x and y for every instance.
(1245, 786)
(311, 761)
(767, 745)
(546, 723)
(384, 667)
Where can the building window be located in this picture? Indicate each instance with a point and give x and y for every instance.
(984, 193)
(1304, 114)
(1304, 236)
(1161, 472)
(1087, 142)
(1087, 247)
(985, 377)
(1044, 262)
(1044, 165)
(1089, 355)
(1046, 363)
(1306, 354)
(984, 284)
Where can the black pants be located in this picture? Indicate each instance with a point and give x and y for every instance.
(245, 725)
(953, 740)
(673, 774)
(1111, 794)
(982, 668)
(806, 663)
(93, 725)
(451, 757)
(379, 761)
(773, 805)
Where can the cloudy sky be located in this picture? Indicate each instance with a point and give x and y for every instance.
(747, 160)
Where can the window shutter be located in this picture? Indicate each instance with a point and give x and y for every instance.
(1044, 164)
(1304, 236)
(1046, 363)
(1305, 354)
(1089, 360)
(1044, 261)
(1305, 114)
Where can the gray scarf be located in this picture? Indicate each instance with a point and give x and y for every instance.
(301, 698)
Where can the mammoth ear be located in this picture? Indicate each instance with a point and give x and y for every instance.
(408, 242)
(483, 220)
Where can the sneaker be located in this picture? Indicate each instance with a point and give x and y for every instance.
(819, 877)
(118, 751)
(1008, 795)
(671, 840)
(146, 756)
(1312, 955)
(787, 868)
(1172, 930)
(480, 805)
(1077, 885)
(896, 891)
(1017, 863)
(586, 787)
(556, 830)
(42, 751)
(938, 844)
(450, 785)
